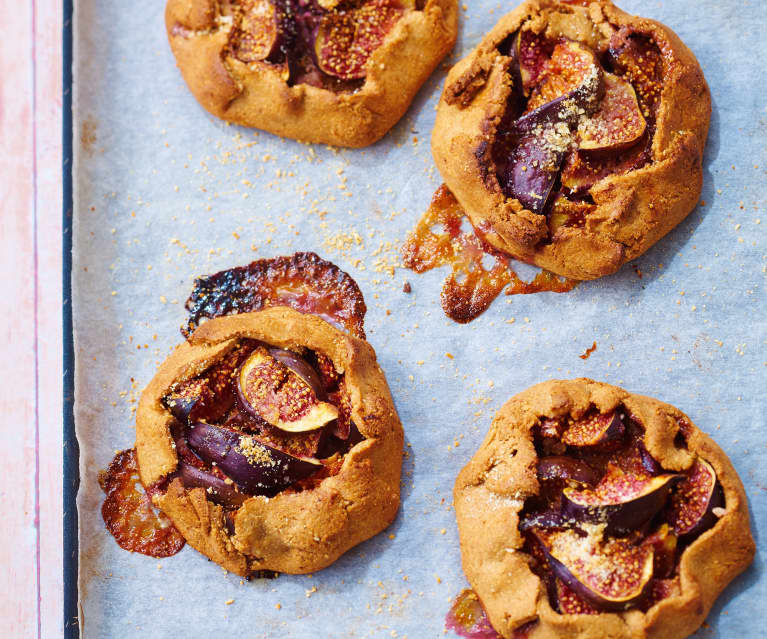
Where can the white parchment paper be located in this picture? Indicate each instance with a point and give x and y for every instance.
(165, 192)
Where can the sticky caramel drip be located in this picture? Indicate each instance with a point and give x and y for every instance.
(439, 239)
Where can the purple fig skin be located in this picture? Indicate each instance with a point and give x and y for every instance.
(181, 408)
(216, 488)
(567, 468)
(273, 472)
(545, 519)
(626, 516)
(300, 367)
(531, 172)
(648, 461)
(713, 497)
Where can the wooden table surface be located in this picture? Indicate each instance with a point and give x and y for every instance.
(31, 579)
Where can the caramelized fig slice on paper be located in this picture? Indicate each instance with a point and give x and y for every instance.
(303, 281)
(597, 429)
(617, 124)
(610, 574)
(256, 468)
(624, 502)
(259, 33)
(347, 38)
(280, 395)
(691, 510)
(129, 514)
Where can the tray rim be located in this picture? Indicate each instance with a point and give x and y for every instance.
(70, 448)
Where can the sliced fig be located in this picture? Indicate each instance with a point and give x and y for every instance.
(636, 460)
(637, 58)
(532, 166)
(347, 38)
(300, 367)
(664, 543)
(572, 69)
(566, 468)
(570, 603)
(530, 154)
(617, 124)
(256, 468)
(305, 444)
(691, 510)
(610, 574)
(583, 170)
(533, 52)
(624, 502)
(303, 281)
(597, 429)
(209, 396)
(280, 396)
(551, 428)
(217, 489)
(259, 33)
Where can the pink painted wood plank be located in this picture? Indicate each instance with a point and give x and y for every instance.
(18, 331)
(30, 324)
(48, 203)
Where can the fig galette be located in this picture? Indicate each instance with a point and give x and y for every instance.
(271, 441)
(573, 135)
(592, 512)
(338, 72)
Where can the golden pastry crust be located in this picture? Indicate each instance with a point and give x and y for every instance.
(256, 94)
(491, 489)
(633, 210)
(293, 532)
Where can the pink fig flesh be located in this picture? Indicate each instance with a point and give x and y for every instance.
(258, 34)
(280, 396)
(533, 52)
(595, 430)
(347, 38)
(610, 574)
(617, 124)
(691, 510)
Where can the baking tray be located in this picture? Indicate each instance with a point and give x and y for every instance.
(684, 323)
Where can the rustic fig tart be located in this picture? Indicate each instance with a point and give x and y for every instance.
(271, 441)
(592, 512)
(339, 72)
(573, 135)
